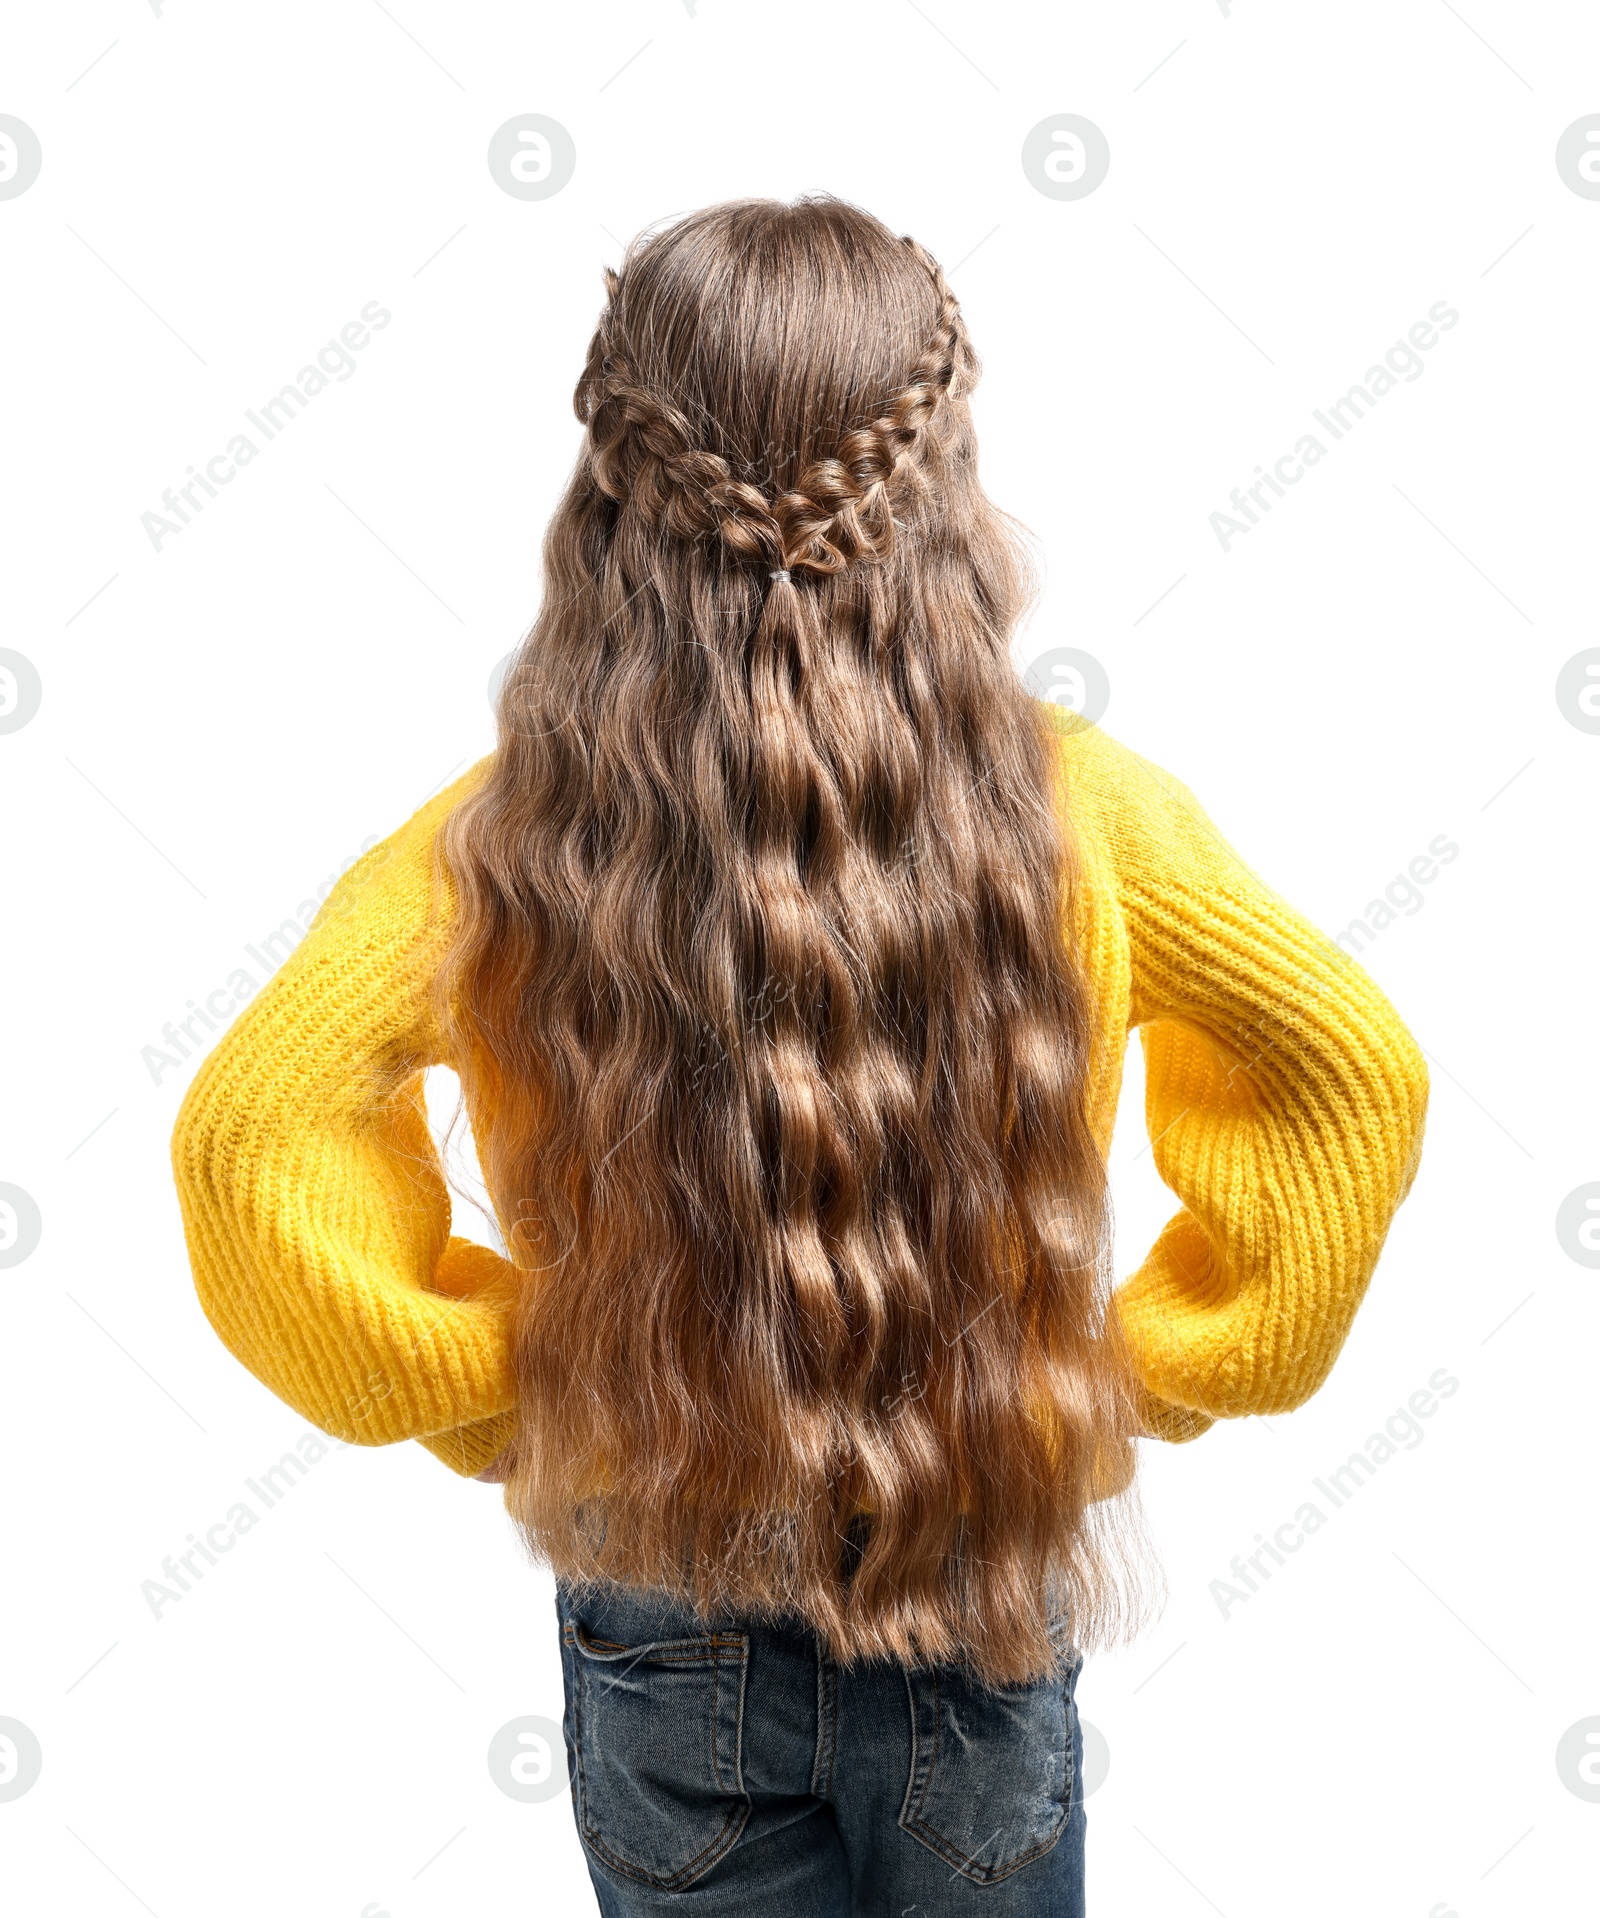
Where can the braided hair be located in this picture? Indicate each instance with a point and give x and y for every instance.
(762, 990)
(644, 453)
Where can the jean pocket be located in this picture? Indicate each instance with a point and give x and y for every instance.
(656, 1730)
(991, 1769)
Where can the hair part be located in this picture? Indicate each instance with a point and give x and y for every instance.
(763, 993)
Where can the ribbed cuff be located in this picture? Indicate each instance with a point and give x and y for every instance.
(469, 1448)
(1175, 1423)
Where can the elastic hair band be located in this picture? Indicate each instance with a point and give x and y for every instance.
(783, 575)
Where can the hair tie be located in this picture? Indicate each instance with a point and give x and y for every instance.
(781, 575)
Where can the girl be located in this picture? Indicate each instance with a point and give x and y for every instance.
(786, 949)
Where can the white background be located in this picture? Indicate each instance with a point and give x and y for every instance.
(227, 720)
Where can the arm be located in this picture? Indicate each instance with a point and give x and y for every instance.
(1285, 1101)
(314, 1205)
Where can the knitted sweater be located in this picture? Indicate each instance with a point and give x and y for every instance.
(1284, 1098)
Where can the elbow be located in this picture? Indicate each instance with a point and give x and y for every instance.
(1407, 1086)
(215, 1139)
(196, 1135)
(1384, 1075)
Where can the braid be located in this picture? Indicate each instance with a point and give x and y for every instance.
(643, 451)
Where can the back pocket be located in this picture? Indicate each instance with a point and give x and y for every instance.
(991, 1770)
(656, 1728)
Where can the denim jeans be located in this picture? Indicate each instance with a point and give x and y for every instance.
(731, 1767)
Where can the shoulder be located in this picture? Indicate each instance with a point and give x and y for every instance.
(1111, 789)
(409, 859)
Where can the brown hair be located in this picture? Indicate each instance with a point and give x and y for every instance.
(762, 988)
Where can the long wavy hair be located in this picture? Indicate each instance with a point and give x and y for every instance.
(763, 991)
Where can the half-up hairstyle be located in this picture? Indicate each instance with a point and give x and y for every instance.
(763, 995)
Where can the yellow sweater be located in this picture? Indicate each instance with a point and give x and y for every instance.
(1285, 1102)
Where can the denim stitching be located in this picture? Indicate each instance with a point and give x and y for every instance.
(738, 1721)
(696, 1867)
(906, 1813)
(705, 1858)
(833, 1721)
(827, 1724)
(716, 1713)
(663, 1651)
(967, 1864)
(816, 1755)
(1070, 1705)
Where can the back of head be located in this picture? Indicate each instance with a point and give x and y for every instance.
(762, 988)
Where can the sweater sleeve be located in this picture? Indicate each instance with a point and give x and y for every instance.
(1285, 1102)
(314, 1205)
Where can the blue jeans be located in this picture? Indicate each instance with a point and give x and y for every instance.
(730, 1767)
